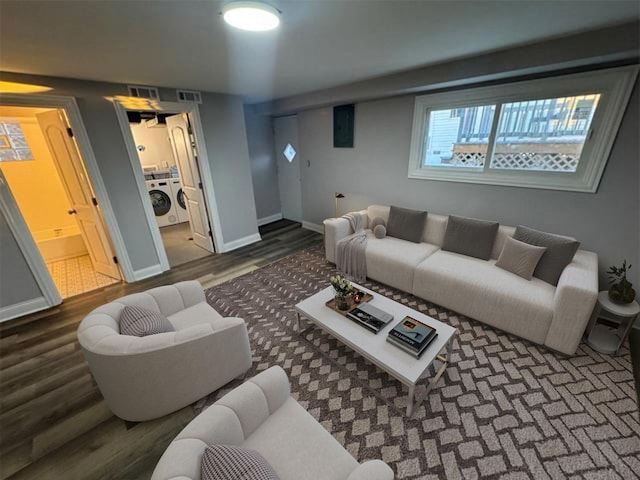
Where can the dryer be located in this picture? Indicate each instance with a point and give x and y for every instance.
(179, 200)
(162, 201)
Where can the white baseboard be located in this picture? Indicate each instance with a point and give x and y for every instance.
(313, 226)
(269, 219)
(241, 242)
(23, 308)
(147, 272)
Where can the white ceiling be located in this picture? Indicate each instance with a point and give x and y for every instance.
(320, 44)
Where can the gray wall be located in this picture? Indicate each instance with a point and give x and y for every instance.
(225, 139)
(105, 136)
(375, 171)
(263, 163)
(17, 283)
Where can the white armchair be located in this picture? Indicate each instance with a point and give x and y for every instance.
(142, 378)
(261, 415)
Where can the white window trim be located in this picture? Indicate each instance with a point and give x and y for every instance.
(614, 85)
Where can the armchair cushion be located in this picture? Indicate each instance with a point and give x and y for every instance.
(224, 462)
(140, 322)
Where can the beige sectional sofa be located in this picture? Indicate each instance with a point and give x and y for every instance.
(261, 415)
(554, 316)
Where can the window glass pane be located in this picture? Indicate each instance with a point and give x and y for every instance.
(13, 144)
(543, 135)
(458, 137)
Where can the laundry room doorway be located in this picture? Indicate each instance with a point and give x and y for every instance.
(50, 192)
(167, 154)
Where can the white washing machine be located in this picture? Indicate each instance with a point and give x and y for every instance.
(162, 201)
(179, 200)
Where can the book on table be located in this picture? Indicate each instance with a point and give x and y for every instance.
(411, 335)
(369, 317)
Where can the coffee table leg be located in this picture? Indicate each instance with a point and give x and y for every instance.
(299, 326)
(410, 400)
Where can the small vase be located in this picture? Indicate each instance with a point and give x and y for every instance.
(342, 301)
(621, 296)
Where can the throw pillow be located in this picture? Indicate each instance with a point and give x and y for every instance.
(224, 462)
(140, 322)
(559, 253)
(377, 221)
(519, 257)
(406, 224)
(469, 236)
(379, 231)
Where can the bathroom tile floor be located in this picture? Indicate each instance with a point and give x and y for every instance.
(76, 275)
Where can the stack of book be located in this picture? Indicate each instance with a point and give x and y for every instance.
(369, 317)
(412, 336)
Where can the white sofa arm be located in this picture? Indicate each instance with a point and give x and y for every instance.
(576, 295)
(372, 470)
(335, 229)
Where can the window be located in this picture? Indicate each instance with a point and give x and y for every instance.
(553, 133)
(13, 144)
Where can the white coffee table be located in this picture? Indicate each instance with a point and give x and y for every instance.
(375, 348)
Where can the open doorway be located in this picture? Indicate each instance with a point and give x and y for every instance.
(166, 151)
(46, 175)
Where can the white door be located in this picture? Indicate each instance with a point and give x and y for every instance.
(187, 162)
(76, 184)
(288, 162)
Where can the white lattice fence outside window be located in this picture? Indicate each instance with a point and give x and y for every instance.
(468, 159)
(556, 162)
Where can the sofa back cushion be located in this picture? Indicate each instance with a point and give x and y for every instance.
(434, 229)
(378, 211)
(469, 236)
(406, 224)
(504, 232)
(559, 253)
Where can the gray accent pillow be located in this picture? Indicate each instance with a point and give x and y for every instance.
(379, 231)
(377, 221)
(406, 224)
(140, 322)
(519, 257)
(559, 253)
(469, 236)
(226, 462)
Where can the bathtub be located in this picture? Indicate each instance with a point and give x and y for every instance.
(60, 243)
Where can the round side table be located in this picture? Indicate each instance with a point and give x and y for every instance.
(603, 339)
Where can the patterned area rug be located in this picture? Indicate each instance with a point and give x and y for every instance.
(505, 408)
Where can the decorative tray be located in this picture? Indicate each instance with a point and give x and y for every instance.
(332, 303)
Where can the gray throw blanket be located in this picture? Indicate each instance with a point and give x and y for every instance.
(350, 254)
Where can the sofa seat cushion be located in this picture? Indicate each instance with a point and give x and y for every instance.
(392, 261)
(195, 315)
(478, 289)
(298, 447)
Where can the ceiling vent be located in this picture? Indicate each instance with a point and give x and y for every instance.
(189, 96)
(139, 91)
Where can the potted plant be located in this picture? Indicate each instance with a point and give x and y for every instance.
(343, 289)
(621, 290)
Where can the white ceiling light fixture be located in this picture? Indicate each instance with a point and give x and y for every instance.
(252, 16)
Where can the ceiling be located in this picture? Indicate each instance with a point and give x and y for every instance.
(320, 43)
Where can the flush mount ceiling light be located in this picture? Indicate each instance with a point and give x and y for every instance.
(253, 16)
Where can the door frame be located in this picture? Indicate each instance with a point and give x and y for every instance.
(15, 219)
(193, 112)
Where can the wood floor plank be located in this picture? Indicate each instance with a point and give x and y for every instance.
(53, 421)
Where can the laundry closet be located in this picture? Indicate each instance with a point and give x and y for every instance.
(167, 194)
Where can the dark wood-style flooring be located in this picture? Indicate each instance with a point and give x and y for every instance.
(54, 423)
